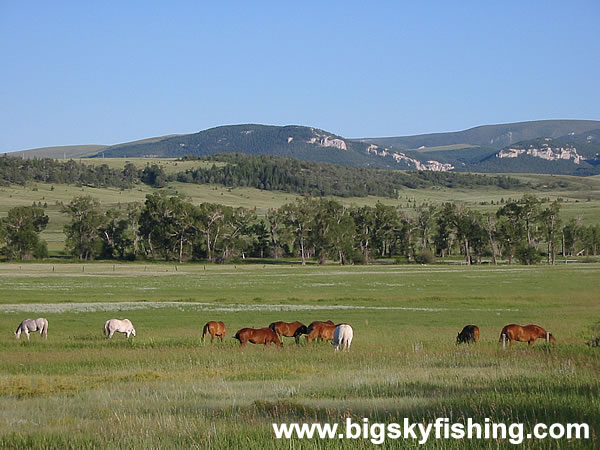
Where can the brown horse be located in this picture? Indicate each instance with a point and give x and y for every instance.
(320, 330)
(527, 333)
(304, 329)
(469, 333)
(257, 336)
(215, 329)
(287, 329)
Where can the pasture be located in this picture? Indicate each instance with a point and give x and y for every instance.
(166, 389)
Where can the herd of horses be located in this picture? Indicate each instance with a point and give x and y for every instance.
(340, 335)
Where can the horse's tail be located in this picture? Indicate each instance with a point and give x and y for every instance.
(272, 327)
(237, 336)
(106, 328)
(18, 331)
(205, 330)
(503, 332)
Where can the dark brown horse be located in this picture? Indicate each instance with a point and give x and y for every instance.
(214, 329)
(320, 330)
(528, 333)
(469, 334)
(263, 336)
(287, 329)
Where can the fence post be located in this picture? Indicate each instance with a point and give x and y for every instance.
(503, 341)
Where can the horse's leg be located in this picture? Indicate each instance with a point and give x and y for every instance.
(110, 334)
(26, 333)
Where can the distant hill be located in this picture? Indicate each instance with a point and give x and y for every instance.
(489, 148)
(64, 151)
(497, 136)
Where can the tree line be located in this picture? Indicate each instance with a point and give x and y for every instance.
(239, 170)
(171, 228)
(323, 179)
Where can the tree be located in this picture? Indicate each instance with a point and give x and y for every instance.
(511, 231)
(364, 223)
(154, 175)
(82, 233)
(210, 222)
(551, 228)
(298, 217)
(424, 221)
(168, 225)
(20, 231)
(115, 235)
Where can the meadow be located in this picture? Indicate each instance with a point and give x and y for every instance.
(165, 388)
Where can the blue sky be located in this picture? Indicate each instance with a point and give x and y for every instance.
(109, 72)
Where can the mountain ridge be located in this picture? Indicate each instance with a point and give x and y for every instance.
(475, 149)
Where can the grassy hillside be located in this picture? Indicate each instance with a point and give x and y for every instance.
(60, 152)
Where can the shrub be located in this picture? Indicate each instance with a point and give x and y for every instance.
(425, 257)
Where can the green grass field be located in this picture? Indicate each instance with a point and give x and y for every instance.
(167, 389)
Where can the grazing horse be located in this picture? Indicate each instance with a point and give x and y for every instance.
(469, 333)
(116, 325)
(31, 326)
(320, 330)
(342, 337)
(304, 329)
(527, 333)
(288, 329)
(215, 329)
(257, 336)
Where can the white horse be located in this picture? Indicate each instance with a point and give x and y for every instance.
(31, 325)
(122, 326)
(342, 337)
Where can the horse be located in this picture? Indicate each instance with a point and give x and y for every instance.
(528, 333)
(215, 329)
(117, 325)
(342, 337)
(320, 330)
(288, 329)
(31, 325)
(304, 329)
(257, 336)
(469, 333)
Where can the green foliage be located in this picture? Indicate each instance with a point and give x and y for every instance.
(322, 179)
(426, 256)
(527, 254)
(21, 171)
(20, 232)
(83, 232)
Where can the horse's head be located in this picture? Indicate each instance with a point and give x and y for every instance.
(133, 331)
(458, 339)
